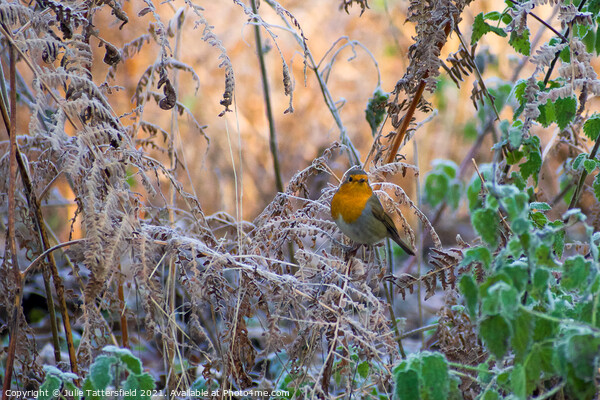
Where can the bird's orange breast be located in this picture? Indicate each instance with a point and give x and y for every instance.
(349, 201)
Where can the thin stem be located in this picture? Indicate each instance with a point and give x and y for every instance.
(557, 54)
(352, 152)
(418, 330)
(579, 187)
(557, 33)
(268, 109)
(14, 322)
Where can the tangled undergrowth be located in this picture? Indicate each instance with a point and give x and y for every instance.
(280, 302)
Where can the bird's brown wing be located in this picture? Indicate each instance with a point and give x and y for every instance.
(381, 215)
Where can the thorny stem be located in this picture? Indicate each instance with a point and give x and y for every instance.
(268, 109)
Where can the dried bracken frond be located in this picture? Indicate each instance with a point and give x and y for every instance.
(348, 3)
(457, 339)
(569, 15)
(209, 37)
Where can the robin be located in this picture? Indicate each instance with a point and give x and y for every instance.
(359, 214)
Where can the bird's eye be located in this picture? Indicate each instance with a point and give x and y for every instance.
(350, 179)
(362, 180)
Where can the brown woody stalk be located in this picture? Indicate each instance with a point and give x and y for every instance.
(403, 128)
(39, 218)
(14, 322)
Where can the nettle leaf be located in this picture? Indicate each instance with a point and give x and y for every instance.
(540, 206)
(591, 127)
(139, 384)
(407, 385)
(578, 160)
(597, 43)
(441, 184)
(547, 114)
(596, 187)
(515, 136)
(51, 384)
(469, 290)
(518, 382)
(520, 43)
(576, 273)
(577, 360)
(485, 222)
(593, 6)
(558, 243)
(479, 254)
(436, 381)
(589, 40)
(495, 332)
(100, 371)
(480, 28)
(363, 369)
(376, 109)
(522, 340)
(532, 166)
(589, 165)
(566, 109)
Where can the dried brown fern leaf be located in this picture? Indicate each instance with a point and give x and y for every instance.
(211, 38)
(457, 339)
(348, 3)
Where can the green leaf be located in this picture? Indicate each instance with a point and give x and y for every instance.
(363, 369)
(547, 114)
(407, 385)
(485, 222)
(100, 372)
(436, 187)
(532, 166)
(480, 28)
(589, 40)
(597, 42)
(435, 377)
(577, 360)
(490, 394)
(520, 43)
(515, 136)
(565, 111)
(589, 165)
(596, 186)
(478, 255)
(521, 340)
(591, 127)
(50, 385)
(441, 184)
(540, 206)
(132, 363)
(578, 160)
(136, 384)
(469, 290)
(576, 273)
(518, 382)
(376, 109)
(495, 332)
